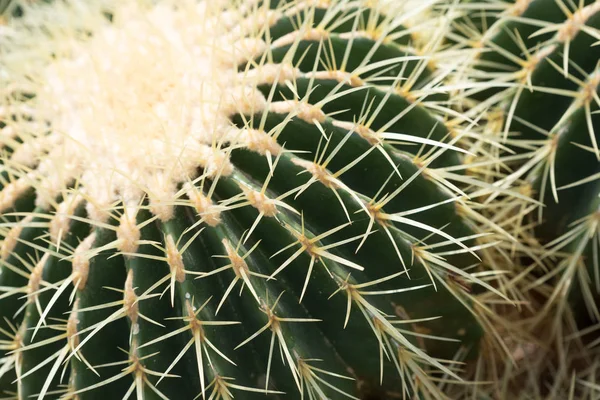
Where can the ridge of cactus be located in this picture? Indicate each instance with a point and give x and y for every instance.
(263, 199)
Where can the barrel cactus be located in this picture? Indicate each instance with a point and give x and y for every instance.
(542, 57)
(209, 199)
(534, 64)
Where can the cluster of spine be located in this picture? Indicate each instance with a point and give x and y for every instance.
(535, 63)
(321, 238)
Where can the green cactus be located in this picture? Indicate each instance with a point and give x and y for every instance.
(552, 114)
(535, 64)
(203, 199)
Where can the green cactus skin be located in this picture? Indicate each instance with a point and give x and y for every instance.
(543, 57)
(307, 254)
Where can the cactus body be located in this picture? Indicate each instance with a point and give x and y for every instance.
(218, 199)
(536, 64)
(542, 57)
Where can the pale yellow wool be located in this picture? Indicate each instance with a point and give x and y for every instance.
(12, 238)
(140, 105)
(81, 261)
